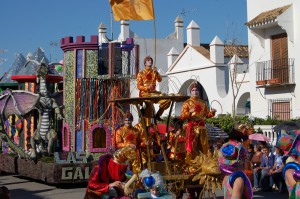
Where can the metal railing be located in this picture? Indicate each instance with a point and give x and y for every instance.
(277, 71)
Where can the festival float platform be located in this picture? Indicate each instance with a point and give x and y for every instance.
(63, 168)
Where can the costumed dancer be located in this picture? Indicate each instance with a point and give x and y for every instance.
(152, 138)
(290, 143)
(127, 135)
(146, 83)
(177, 141)
(107, 179)
(232, 159)
(195, 111)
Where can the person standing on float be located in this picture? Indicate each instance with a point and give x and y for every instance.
(195, 111)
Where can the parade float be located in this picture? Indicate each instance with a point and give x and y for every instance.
(96, 94)
(83, 117)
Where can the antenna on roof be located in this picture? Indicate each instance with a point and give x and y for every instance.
(184, 12)
(53, 44)
(2, 60)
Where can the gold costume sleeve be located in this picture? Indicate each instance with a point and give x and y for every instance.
(185, 112)
(119, 139)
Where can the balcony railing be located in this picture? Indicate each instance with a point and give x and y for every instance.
(277, 71)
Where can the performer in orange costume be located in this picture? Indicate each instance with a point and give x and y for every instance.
(195, 111)
(146, 83)
(127, 135)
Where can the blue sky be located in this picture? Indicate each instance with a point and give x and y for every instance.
(27, 25)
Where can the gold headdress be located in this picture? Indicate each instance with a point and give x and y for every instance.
(121, 156)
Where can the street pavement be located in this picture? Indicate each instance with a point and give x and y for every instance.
(26, 188)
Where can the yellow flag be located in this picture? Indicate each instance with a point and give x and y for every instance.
(132, 9)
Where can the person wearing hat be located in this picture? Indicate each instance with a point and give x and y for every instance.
(146, 83)
(195, 111)
(107, 179)
(289, 142)
(232, 159)
(127, 135)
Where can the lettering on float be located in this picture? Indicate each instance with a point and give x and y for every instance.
(75, 172)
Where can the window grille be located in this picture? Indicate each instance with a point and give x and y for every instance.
(280, 109)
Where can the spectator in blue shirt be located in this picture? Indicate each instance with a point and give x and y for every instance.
(276, 171)
(266, 165)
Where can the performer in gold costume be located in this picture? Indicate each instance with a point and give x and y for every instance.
(195, 110)
(152, 137)
(146, 83)
(177, 141)
(127, 135)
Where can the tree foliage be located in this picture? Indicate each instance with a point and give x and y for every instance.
(226, 122)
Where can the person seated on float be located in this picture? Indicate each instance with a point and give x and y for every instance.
(195, 111)
(127, 135)
(146, 83)
(107, 179)
(152, 138)
(232, 159)
(290, 143)
(177, 141)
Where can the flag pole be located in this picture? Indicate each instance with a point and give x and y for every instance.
(111, 24)
(154, 26)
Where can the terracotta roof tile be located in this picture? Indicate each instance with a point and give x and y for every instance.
(268, 16)
(239, 50)
(229, 50)
(202, 51)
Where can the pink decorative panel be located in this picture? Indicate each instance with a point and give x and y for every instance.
(66, 137)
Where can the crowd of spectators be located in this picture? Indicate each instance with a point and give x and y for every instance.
(267, 166)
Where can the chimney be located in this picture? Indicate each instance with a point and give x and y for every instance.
(193, 34)
(179, 28)
(217, 51)
(124, 30)
(102, 38)
(172, 56)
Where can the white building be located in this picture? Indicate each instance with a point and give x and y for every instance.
(181, 64)
(273, 34)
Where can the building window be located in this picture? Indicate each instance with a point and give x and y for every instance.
(280, 109)
(99, 138)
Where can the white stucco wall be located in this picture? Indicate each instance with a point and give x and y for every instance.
(261, 51)
(189, 66)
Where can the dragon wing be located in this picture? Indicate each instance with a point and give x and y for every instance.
(17, 102)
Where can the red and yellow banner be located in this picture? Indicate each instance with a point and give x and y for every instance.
(132, 9)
